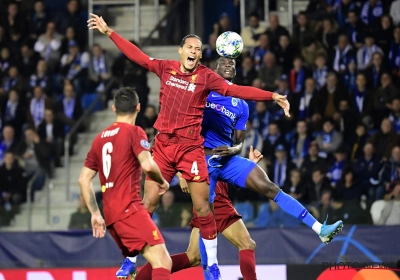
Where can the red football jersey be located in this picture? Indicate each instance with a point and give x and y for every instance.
(114, 155)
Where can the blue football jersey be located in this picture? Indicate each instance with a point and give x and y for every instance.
(222, 116)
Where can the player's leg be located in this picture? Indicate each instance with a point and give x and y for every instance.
(254, 178)
(160, 261)
(239, 236)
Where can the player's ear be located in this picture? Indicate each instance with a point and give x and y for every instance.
(180, 50)
(138, 107)
(113, 108)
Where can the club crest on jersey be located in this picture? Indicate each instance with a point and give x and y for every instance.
(145, 144)
(234, 102)
(193, 79)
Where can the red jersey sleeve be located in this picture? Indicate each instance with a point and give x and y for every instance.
(216, 83)
(136, 55)
(140, 142)
(91, 158)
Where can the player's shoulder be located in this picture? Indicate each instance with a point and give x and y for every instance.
(169, 64)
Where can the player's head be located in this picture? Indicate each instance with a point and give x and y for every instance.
(190, 52)
(226, 67)
(126, 102)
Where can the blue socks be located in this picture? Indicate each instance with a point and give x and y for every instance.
(294, 208)
(203, 256)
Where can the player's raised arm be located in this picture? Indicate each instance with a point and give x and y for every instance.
(85, 183)
(151, 169)
(126, 47)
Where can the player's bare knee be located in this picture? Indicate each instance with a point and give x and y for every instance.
(162, 261)
(246, 243)
(202, 209)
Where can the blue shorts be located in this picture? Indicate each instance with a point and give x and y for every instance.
(233, 170)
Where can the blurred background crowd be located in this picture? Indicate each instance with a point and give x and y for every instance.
(339, 153)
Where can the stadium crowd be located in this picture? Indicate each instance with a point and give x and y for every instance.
(340, 69)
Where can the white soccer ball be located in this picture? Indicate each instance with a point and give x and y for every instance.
(229, 44)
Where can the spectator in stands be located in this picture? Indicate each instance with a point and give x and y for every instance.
(383, 97)
(323, 207)
(362, 100)
(100, 63)
(302, 30)
(251, 33)
(168, 212)
(391, 212)
(3, 38)
(350, 74)
(294, 186)
(327, 35)
(253, 138)
(273, 139)
(69, 36)
(389, 171)
(36, 157)
(357, 142)
(13, 80)
(14, 184)
(224, 24)
(342, 11)
(384, 35)
(281, 167)
(329, 140)
(384, 140)
(346, 119)
(14, 19)
(14, 111)
(51, 131)
(320, 72)
(348, 211)
(48, 45)
(210, 53)
(395, 12)
(355, 29)
(261, 50)
(311, 162)
(328, 100)
(299, 144)
(72, 17)
(364, 54)
(39, 103)
(336, 170)
(28, 61)
(284, 53)
(394, 51)
(371, 12)
(280, 219)
(297, 76)
(8, 143)
(275, 31)
(81, 218)
(343, 53)
(261, 118)
(15, 42)
(150, 117)
(394, 116)
(349, 187)
(303, 107)
(41, 78)
(319, 184)
(39, 20)
(5, 62)
(283, 87)
(246, 74)
(74, 67)
(375, 71)
(269, 73)
(69, 111)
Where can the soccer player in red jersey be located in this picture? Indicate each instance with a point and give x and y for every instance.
(229, 224)
(185, 85)
(119, 154)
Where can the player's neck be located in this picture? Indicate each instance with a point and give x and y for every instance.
(129, 119)
(185, 71)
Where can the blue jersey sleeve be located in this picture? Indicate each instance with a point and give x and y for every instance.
(241, 122)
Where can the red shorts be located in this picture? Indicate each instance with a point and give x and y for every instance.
(174, 153)
(225, 214)
(134, 232)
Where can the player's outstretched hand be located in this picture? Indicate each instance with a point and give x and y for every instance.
(222, 151)
(283, 102)
(98, 226)
(96, 22)
(255, 155)
(163, 188)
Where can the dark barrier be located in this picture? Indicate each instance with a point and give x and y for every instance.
(274, 246)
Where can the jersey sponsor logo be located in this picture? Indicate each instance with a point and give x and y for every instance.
(222, 109)
(109, 133)
(182, 84)
(145, 144)
(234, 102)
(155, 235)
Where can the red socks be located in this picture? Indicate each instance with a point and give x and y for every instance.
(247, 262)
(160, 274)
(179, 262)
(208, 227)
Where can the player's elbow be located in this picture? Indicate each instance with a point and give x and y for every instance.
(148, 166)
